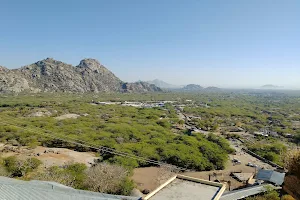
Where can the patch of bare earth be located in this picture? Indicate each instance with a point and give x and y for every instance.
(41, 113)
(150, 178)
(296, 124)
(67, 116)
(50, 156)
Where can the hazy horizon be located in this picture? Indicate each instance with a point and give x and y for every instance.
(232, 44)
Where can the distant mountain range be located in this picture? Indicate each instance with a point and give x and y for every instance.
(162, 84)
(189, 87)
(270, 86)
(50, 75)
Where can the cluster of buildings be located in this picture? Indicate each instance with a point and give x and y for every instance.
(137, 104)
(144, 104)
(266, 133)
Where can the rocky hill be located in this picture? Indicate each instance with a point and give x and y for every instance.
(140, 87)
(192, 87)
(50, 75)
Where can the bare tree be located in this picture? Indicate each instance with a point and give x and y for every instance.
(105, 177)
(53, 174)
(292, 162)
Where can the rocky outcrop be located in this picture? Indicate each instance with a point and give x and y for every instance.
(12, 81)
(140, 87)
(50, 75)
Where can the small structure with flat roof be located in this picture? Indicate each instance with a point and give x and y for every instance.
(187, 188)
(271, 176)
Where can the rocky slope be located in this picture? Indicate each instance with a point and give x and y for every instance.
(50, 75)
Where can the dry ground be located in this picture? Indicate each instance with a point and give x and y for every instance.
(54, 156)
(67, 116)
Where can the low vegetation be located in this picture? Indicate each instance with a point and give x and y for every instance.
(271, 195)
(272, 151)
(102, 177)
(17, 168)
(33, 120)
(144, 132)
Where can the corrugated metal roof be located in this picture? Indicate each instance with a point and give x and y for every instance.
(13, 189)
(270, 176)
(246, 192)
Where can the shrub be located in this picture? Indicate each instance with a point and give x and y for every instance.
(292, 162)
(18, 167)
(223, 143)
(287, 197)
(3, 170)
(13, 165)
(108, 178)
(32, 163)
(56, 174)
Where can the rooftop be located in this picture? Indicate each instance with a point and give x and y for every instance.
(246, 192)
(243, 176)
(187, 188)
(271, 176)
(43, 190)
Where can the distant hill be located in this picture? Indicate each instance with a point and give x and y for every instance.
(162, 84)
(270, 86)
(50, 75)
(211, 88)
(195, 88)
(192, 87)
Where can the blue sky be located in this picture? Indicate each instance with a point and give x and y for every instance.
(216, 42)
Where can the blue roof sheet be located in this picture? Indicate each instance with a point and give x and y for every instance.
(271, 176)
